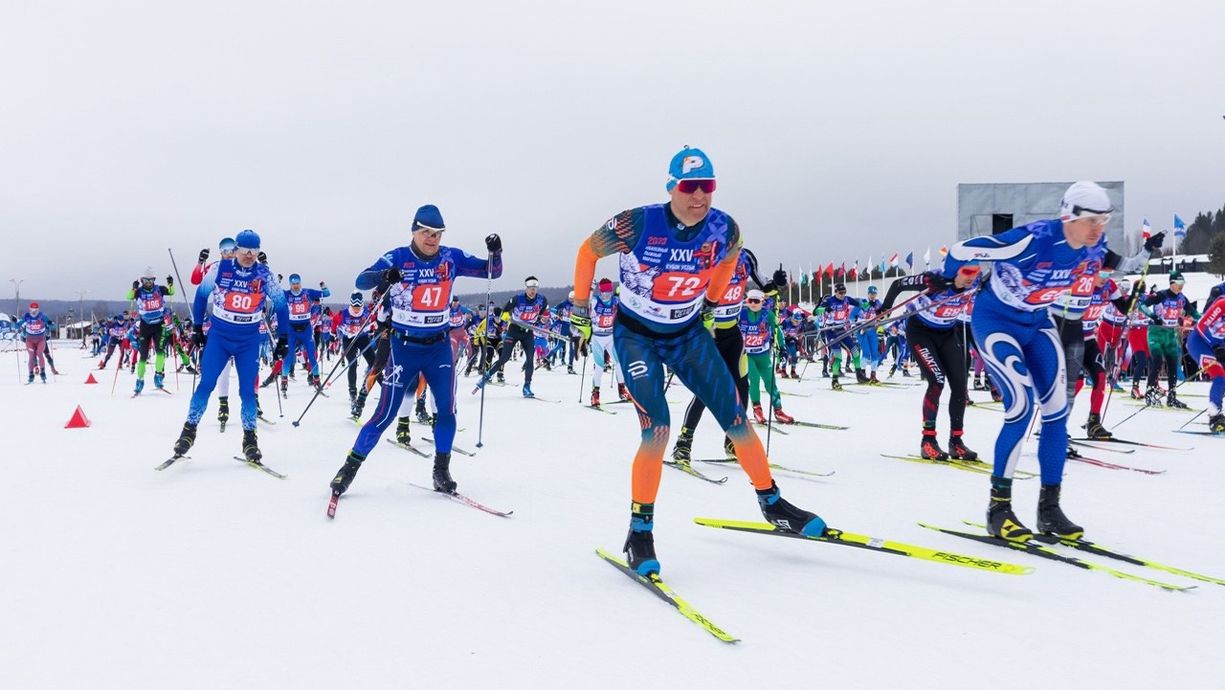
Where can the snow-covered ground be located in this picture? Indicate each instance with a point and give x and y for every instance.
(214, 575)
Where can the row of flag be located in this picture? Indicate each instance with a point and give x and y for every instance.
(1180, 228)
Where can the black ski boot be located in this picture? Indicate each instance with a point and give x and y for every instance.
(285, 387)
(1095, 430)
(958, 449)
(1172, 400)
(640, 542)
(187, 438)
(1051, 519)
(315, 383)
(929, 447)
(419, 410)
(402, 435)
(860, 377)
(250, 446)
(783, 515)
(683, 449)
(268, 381)
(343, 478)
(729, 448)
(223, 411)
(1001, 521)
(359, 404)
(1216, 423)
(1152, 397)
(442, 474)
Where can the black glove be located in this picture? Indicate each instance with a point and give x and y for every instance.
(1154, 242)
(494, 244)
(135, 284)
(203, 255)
(262, 257)
(780, 279)
(282, 347)
(197, 336)
(390, 277)
(1219, 353)
(170, 280)
(935, 282)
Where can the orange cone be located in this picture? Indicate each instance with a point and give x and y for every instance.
(91, 379)
(78, 421)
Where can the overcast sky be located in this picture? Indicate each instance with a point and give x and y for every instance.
(836, 131)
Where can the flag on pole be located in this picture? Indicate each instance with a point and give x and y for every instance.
(909, 262)
(944, 251)
(868, 267)
(841, 270)
(1180, 228)
(1146, 230)
(927, 258)
(854, 271)
(829, 270)
(893, 260)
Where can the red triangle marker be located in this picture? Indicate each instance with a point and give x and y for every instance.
(91, 379)
(78, 421)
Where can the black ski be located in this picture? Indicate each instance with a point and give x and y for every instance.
(405, 446)
(171, 461)
(262, 467)
(458, 497)
(687, 468)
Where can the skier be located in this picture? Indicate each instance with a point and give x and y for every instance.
(933, 332)
(115, 338)
(792, 328)
(676, 262)
(568, 340)
(1137, 342)
(869, 341)
(151, 306)
(301, 334)
(761, 334)
(460, 317)
(33, 327)
(837, 323)
(417, 280)
(1035, 263)
(730, 343)
(1206, 343)
(520, 313)
(353, 326)
(233, 295)
(1166, 309)
(1086, 356)
(1110, 335)
(603, 312)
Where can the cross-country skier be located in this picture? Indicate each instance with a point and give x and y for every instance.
(761, 334)
(33, 327)
(522, 312)
(151, 306)
(301, 334)
(1166, 309)
(1206, 343)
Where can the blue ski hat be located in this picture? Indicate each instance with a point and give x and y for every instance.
(295, 279)
(689, 164)
(227, 244)
(355, 299)
(247, 239)
(428, 217)
(871, 289)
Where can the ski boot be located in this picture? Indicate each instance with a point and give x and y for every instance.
(905, 372)
(402, 434)
(268, 381)
(250, 446)
(834, 384)
(285, 387)
(958, 449)
(892, 371)
(352, 397)
(1171, 401)
(314, 382)
(860, 377)
(442, 474)
(527, 391)
(190, 369)
(30, 380)
(501, 377)
(595, 396)
(782, 373)
(1152, 397)
(359, 404)
(872, 380)
(1051, 519)
(682, 451)
(758, 416)
(419, 410)
(1001, 521)
(1135, 392)
(996, 395)
(570, 369)
(42, 376)
(640, 542)
(787, 517)
(223, 410)
(159, 380)
(978, 382)
(929, 448)
(1216, 423)
(187, 438)
(102, 364)
(343, 478)
(796, 376)
(622, 392)
(140, 386)
(783, 417)
(1095, 430)
(729, 448)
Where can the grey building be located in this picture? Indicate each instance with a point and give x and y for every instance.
(993, 207)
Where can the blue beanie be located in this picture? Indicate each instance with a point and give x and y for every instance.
(428, 217)
(247, 239)
(294, 278)
(689, 164)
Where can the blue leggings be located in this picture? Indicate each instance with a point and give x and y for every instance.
(1024, 356)
(1199, 348)
(306, 339)
(218, 350)
(869, 348)
(405, 362)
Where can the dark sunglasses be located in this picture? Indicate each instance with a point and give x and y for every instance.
(691, 186)
(753, 301)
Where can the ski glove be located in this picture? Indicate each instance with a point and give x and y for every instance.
(170, 280)
(203, 255)
(708, 314)
(390, 277)
(580, 321)
(1153, 243)
(493, 243)
(780, 279)
(198, 337)
(282, 347)
(262, 258)
(1219, 353)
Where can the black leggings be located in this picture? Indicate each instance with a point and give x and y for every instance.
(524, 337)
(941, 356)
(352, 349)
(730, 342)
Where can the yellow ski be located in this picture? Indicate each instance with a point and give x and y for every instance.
(663, 591)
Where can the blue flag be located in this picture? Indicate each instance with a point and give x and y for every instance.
(1180, 228)
(910, 262)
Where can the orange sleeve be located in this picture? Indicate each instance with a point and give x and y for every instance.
(722, 276)
(584, 271)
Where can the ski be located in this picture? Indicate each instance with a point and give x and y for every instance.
(262, 467)
(687, 468)
(1200, 433)
(1110, 465)
(536, 397)
(171, 461)
(1086, 444)
(600, 409)
(844, 389)
(265, 420)
(1133, 443)
(407, 447)
(456, 496)
(860, 541)
(332, 505)
(796, 395)
(1050, 554)
(222, 431)
(816, 425)
(775, 426)
(975, 466)
(657, 587)
(1099, 550)
(454, 448)
(773, 466)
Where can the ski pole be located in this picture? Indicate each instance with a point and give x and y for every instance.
(582, 379)
(1135, 303)
(373, 312)
(280, 410)
(183, 297)
(1197, 416)
(480, 425)
(1146, 404)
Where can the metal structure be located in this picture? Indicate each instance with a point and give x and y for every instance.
(985, 208)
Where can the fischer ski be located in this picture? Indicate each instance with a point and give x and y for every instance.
(407, 447)
(456, 496)
(171, 461)
(815, 425)
(775, 426)
(860, 541)
(600, 409)
(1050, 554)
(1098, 550)
(657, 587)
(975, 466)
(688, 469)
(773, 466)
(1110, 465)
(454, 448)
(262, 467)
(1132, 443)
(335, 500)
